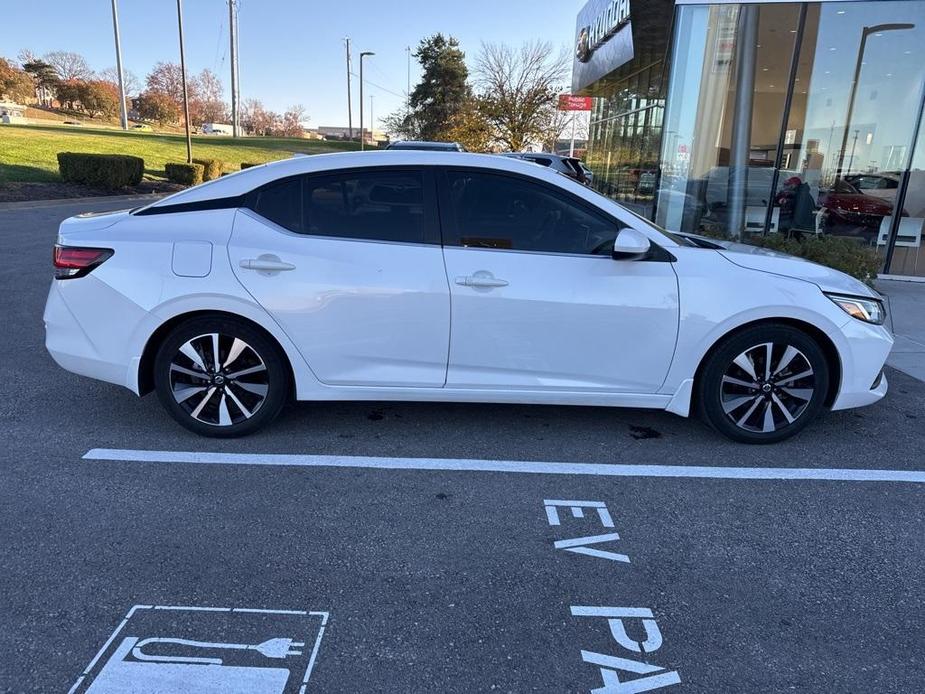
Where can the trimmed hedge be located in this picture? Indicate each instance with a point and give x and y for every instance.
(185, 174)
(211, 168)
(249, 164)
(106, 170)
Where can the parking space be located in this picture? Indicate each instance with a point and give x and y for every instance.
(524, 564)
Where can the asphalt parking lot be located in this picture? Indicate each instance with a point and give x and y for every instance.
(398, 579)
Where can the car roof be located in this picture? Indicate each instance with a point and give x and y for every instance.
(242, 182)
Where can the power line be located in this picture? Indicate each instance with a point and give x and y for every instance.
(379, 86)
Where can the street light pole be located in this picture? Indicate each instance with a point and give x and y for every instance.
(362, 55)
(115, 29)
(189, 139)
(865, 32)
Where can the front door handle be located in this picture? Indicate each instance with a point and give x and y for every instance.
(266, 263)
(481, 279)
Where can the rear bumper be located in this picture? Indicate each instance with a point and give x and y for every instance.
(95, 342)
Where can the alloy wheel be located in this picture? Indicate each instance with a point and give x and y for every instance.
(767, 387)
(218, 379)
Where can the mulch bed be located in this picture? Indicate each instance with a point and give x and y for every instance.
(28, 192)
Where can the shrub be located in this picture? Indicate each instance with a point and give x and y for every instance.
(847, 255)
(106, 170)
(211, 168)
(186, 174)
(249, 164)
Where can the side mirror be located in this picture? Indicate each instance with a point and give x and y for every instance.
(630, 245)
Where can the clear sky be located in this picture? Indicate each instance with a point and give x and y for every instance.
(291, 51)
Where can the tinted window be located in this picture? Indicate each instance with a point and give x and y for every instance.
(494, 211)
(372, 205)
(281, 202)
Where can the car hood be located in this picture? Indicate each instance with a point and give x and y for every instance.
(764, 260)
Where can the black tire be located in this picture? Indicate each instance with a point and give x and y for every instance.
(232, 403)
(737, 406)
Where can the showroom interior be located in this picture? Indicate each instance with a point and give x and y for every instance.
(739, 119)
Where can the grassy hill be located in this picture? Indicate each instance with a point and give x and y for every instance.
(28, 152)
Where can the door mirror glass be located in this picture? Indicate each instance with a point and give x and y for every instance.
(630, 245)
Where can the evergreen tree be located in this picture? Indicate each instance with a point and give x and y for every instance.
(440, 96)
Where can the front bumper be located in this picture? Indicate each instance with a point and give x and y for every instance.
(863, 354)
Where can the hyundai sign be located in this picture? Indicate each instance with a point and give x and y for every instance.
(603, 41)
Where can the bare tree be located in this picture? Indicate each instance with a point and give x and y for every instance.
(291, 122)
(27, 55)
(519, 89)
(69, 65)
(132, 83)
(207, 106)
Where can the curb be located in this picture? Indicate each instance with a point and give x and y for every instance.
(31, 204)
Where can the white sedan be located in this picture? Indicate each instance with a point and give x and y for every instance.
(449, 277)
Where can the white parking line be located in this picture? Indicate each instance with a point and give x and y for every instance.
(516, 466)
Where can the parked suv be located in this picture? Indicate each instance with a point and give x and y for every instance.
(570, 166)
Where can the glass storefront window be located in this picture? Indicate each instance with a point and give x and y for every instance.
(757, 143)
(854, 112)
(909, 251)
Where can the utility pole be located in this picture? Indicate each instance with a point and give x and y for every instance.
(571, 147)
(115, 29)
(372, 121)
(362, 55)
(349, 104)
(408, 90)
(189, 139)
(233, 37)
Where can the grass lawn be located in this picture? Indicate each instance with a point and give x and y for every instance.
(28, 152)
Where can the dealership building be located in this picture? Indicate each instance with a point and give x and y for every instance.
(754, 118)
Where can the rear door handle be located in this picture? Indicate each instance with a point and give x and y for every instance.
(481, 279)
(266, 264)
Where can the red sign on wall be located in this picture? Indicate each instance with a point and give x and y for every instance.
(570, 102)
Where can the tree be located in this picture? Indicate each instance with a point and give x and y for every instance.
(129, 79)
(256, 119)
(519, 89)
(207, 104)
(440, 95)
(69, 65)
(15, 84)
(98, 98)
(471, 128)
(68, 93)
(291, 122)
(44, 78)
(167, 79)
(158, 107)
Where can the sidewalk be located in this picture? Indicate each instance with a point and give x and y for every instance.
(906, 318)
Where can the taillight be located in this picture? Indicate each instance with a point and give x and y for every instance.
(72, 262)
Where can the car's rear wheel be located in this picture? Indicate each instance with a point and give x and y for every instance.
(220, 377)
(763, 384)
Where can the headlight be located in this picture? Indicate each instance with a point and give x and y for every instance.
(867, 310)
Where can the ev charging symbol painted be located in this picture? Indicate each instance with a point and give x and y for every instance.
(161, 650)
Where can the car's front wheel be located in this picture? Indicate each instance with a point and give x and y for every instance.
(220, 376)
(763, 384)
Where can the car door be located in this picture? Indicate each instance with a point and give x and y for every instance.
(537, 300)
(349, 264)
